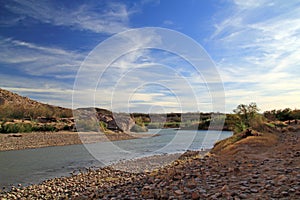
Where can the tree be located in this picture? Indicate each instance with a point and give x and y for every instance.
(284, 114)
(246, 113)
(247, 116)
(271, 115)
(295, 114)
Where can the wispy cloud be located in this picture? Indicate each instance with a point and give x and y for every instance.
(37, 60)
(42, 73)
(100, 17)
(259, 44)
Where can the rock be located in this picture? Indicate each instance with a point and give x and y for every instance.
(292, 190)
(253, 190)
(147, 187)
(217, 195)
(243, 196)
(124, 122)
(253, 181)
(191, 184)
(178, 192)
(284, 193)
(195, 195)
(255, 176)
(15, 135)
(244, 183)
(281, 178)
(225, 188)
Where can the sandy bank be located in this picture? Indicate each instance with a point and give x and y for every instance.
(45, 139)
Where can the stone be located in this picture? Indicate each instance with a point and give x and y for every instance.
(243, 196)
(217, 195)
(225, 188)
(284, 193)
(253, 190)
(195, 195)
(147, 187)
(178, 192)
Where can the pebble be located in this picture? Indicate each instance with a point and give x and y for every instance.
(284, 193)
(195, 195)
(253, 190)
(178, 192)
(189, 177)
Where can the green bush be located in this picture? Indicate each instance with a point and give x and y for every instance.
(103, 126)
(154, 125)
(137, 128)
(87, 125)
(45, 127)
(16, 128)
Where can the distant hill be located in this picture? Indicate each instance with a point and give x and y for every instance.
(14, 106)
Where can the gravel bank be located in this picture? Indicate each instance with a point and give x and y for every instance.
(255, 172)
(46, 139)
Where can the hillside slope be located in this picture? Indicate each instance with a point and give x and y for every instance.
(14, 106)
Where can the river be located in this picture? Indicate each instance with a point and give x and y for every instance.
(32, 166)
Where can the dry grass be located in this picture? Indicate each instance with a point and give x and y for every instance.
(237, 143)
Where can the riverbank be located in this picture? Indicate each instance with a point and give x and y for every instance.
(253, 168)
(45, 139)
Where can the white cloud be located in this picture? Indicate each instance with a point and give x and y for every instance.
(259, 48)
(168, 22)
(250, 3)
(38, 60)
(44, 90)
(98, 17)
(42, 73)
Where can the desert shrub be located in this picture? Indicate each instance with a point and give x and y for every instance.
(25, 128)
(139, 125)
(9, 128)
(139, 121)
(258, 123)
(295, 114)
(282, 115)
(15, 128)
(103, 126)
(270, 125)
(239, 126)
(247, 116)
(87, 125)
(137, 128)
(44, 127)
(154, 125)
(172, 124)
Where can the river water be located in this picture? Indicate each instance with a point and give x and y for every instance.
(32, 166)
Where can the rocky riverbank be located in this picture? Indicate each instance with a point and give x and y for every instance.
(46, 139)
(253, 168)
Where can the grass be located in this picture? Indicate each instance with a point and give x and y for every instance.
(236, 142)
(25, 127)
(222, 144)
(270, 125)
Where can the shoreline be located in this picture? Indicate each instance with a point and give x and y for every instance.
(251, 168)
(21, 141)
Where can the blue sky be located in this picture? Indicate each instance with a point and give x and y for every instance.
(255, 46)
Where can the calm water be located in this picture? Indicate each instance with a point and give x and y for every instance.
(35, 165)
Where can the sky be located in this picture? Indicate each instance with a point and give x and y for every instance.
(46, 47)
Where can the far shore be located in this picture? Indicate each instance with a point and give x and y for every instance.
(18, 141)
